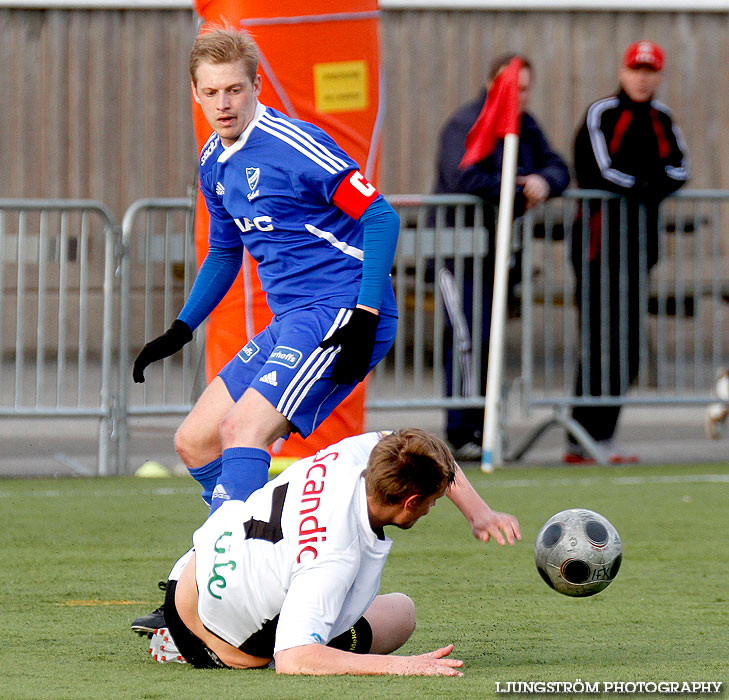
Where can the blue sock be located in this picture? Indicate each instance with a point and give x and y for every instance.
(207, 476)
(244, 470)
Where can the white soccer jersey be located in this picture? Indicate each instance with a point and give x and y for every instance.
(301, 547)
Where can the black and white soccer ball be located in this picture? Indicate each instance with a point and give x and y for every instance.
(578, 552)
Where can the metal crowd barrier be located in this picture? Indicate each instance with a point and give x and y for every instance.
(59, 354)
(436, 231)
(56, 299)
(158, 268)
(678, 315)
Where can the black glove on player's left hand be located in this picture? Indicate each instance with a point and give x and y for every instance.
(357, 342)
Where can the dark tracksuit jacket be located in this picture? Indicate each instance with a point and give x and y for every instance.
(634, 150)
(484, 179)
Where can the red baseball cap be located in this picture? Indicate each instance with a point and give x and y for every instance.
(644, 53)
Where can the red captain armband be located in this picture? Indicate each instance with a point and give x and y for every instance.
(354, 194)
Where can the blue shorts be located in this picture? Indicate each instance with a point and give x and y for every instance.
(285, 364)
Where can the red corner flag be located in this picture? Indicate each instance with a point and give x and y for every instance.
(499, 116)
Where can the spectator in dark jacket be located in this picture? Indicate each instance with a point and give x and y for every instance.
(541, 173)
(627, 144)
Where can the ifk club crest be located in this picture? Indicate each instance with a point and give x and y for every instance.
(253, 175)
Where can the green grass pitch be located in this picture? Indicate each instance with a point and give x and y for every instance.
(81, 557)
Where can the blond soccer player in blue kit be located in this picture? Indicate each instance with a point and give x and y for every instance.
(324, 240)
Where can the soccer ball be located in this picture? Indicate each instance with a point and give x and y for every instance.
(578, 552)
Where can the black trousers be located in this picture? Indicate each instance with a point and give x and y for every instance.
(608, 340)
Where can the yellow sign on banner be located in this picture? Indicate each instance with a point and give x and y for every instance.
(341, 86)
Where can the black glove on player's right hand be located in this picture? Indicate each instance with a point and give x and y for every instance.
(172, 340)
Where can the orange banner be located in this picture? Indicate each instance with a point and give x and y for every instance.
(319, 63)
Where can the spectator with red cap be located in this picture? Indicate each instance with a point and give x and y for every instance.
(629, 145)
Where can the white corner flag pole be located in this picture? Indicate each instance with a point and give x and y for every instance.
(491, 449)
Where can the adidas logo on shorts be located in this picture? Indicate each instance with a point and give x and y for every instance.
(219, 492)
(269, 378)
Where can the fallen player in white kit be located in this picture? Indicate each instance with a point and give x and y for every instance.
(291, 575)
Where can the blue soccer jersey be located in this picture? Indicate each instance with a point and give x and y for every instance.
(272, 190)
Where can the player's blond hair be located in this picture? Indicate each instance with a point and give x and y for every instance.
(224, 45)
(408, 462)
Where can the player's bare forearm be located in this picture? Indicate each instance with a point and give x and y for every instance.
(318, 660)
(485, 522)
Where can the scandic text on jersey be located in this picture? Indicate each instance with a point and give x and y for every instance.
(311, 532)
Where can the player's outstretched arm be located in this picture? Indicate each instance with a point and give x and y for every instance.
(485, 522)
(319, 660)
